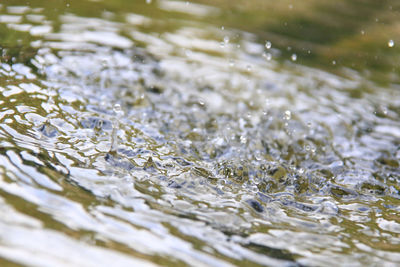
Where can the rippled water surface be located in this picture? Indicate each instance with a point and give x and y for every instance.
(145, 133)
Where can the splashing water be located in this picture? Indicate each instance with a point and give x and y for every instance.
(117, 142)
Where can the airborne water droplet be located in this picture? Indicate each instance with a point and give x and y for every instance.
(268, 45)
(267, 56)
(226, 39)
(294, 57)
(148, 1)
(117, 108)
(391, 43)
(288, 115)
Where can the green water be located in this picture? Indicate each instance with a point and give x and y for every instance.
(176, 133)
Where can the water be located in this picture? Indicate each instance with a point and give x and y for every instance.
(131, 137)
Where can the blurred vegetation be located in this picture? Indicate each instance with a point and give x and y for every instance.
(327, 34)
(331, 35)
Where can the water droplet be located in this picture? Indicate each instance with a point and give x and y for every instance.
(258, 156)
(268, 45)
(391, 43)
(231, 63)
(288, 115)
(148, 1)
(362, 32)
(222, 28)
(333, 62)
(294, 57)
(248, 68)
(267, 56)
(226, 39)
(117, 109)
(243, 139)
(222, 44)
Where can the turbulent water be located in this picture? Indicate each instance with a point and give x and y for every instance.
(137, 140)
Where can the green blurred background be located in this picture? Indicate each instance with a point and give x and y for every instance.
(330, 35)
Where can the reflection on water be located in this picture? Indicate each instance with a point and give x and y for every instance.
(149, 136)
